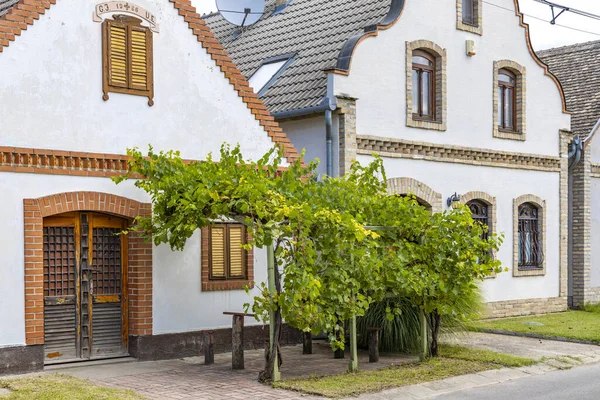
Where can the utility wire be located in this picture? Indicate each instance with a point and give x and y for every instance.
(543, 20)
(569, 9)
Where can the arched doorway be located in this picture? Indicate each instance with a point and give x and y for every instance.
(85, 266)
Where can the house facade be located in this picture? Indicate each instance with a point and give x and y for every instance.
(453, 98)
(577, 68)
(80, 82)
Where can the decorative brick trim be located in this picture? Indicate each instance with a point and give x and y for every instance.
(59, 162)
(516, 308)
(492, 210)
(564, 142)
(219, 55)
(25, 12)
(440, 86)
(477, 28)
(237, 284)
(139, 252)
(399, 148)
(400, 186)
(547, 72)
(347, 133)
(521, 92)
(541, 205)
(19, 18)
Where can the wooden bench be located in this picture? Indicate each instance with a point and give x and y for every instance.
(237, 339)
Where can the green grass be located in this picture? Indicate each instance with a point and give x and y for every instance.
(490, 357)
(61, 387)
(593, 308)
(454, 361)
(580, 325)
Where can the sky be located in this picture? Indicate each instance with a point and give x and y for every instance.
(543, 35)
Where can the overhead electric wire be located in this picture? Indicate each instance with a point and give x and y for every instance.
(569, 9)
(542, 19)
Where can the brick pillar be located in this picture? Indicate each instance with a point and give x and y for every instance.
(565, 139)
(581, 229)
(347, 138)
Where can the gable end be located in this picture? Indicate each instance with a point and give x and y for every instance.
(24, 13)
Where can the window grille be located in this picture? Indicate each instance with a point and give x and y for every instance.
(530, 237)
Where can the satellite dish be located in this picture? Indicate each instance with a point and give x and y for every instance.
(241, 12)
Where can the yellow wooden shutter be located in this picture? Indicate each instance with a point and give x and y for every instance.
(217, 252)
(139, 57)
(117, 54)
(236, 252)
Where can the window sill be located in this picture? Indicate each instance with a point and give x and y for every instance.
(500, 133)
(423, 123)
(463, 26)
(223, 285)
(529, 272)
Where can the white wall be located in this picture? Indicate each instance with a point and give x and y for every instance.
(505, 185)
(179, 304)
(51, 97)
(380, 85)
(51, 91)
(595, 240)
(309, 134)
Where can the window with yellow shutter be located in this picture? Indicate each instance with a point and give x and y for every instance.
(127, 57)
(227, 257)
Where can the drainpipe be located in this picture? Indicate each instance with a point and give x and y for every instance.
(329, 139)
(327, 105)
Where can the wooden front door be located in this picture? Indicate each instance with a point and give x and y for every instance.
(85, 293)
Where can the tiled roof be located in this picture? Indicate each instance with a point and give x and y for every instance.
(314, 30)
(5, 5)
(577, 68)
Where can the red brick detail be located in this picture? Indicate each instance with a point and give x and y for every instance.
(237, 284)
(139, 256)
(25, 12)
(61, 162)
(19, 17)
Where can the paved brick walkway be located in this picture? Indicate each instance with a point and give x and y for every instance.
(191, 379)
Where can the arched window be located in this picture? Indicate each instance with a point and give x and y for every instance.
(479, 212)
(507, 100)
(423, 85)
(529, 237)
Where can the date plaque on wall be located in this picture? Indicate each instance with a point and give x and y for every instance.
(110, 7)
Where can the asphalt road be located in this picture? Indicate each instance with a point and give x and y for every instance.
(581, 383)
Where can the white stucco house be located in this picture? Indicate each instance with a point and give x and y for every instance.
(453, 98)
(80, 82)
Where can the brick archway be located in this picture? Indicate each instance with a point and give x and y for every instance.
(418, 189)
(139, 256)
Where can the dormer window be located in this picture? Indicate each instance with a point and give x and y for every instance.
(266, 75)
